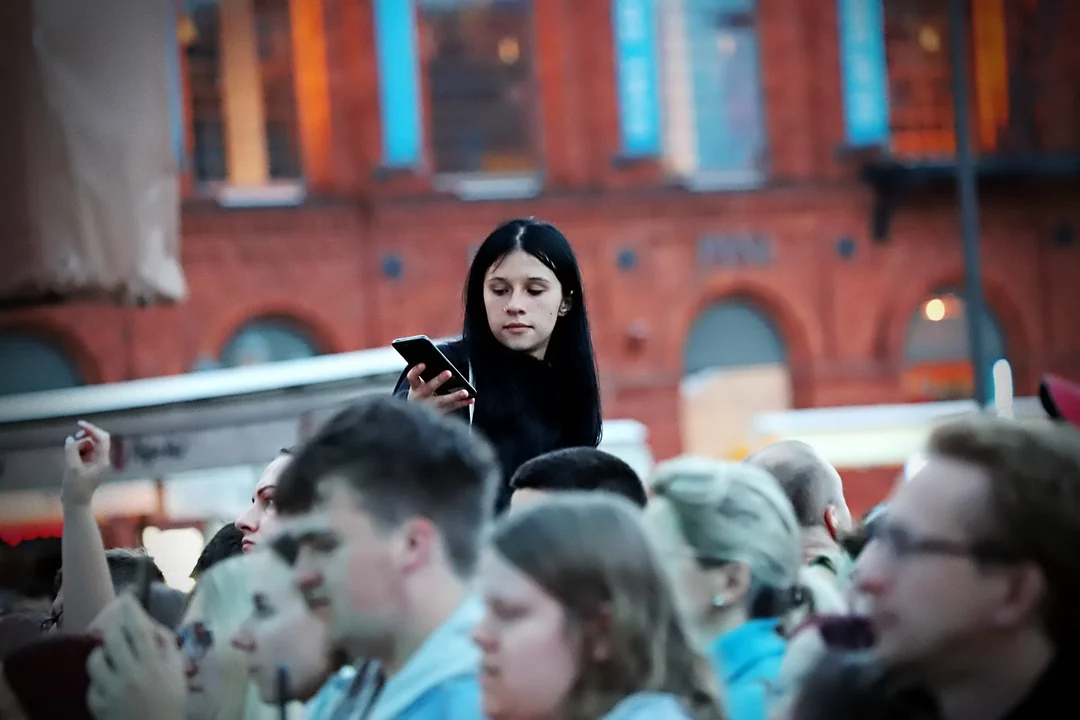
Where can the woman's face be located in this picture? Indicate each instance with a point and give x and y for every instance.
(529, 661)
(524, 300)
(205, 665)
(694, 587)
(260, 520)
(282, 632)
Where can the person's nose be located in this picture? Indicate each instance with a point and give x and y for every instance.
(514, 305)
(306, 574)
(248, 523)
(871, 572)
(244, 641)
(190, 668)
(482, 635)
(308, 581)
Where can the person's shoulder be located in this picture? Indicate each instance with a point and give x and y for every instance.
(332, 694)
(649, 706)
(456, 352)
(458, 698)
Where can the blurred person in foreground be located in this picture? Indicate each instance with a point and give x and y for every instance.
(579, 468)
(392, 501)
(90, 577)
(972, 579)
(214, 673)
(816, 492)
(281, 632)
(730, 537)
(582, 621)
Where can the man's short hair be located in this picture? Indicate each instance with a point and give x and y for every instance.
(1033, 513)
(580, 468)
(404, 460)
(226, 543)
(808, 480)
(123, 569)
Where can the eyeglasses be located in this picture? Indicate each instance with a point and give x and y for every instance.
(900, 543)
(52, 621)
(195, 640)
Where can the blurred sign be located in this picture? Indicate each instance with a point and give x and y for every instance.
(637, 76)
(735, 250)
(397, 57)
(865, 73)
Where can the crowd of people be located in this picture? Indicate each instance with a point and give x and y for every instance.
(435, 556)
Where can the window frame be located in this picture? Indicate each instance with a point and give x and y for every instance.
(227, 193)
(710, 180)
(479, 186)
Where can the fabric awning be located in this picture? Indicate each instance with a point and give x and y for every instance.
(90, 196)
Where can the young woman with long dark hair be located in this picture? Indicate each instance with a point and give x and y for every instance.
(526, 345)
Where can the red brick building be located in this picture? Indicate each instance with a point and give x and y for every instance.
(294, 217)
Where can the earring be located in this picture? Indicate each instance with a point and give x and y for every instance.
(718, 601)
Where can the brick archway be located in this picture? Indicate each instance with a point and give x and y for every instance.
(892, 330)
(311, 323)
(790, 328)
(64, 342)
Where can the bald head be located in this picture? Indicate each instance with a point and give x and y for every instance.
(811, 483)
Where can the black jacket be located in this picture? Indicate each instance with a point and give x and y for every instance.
(531, 429)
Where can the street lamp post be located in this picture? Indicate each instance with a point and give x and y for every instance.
(968, 200)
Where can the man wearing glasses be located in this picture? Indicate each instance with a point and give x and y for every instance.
(972, 579)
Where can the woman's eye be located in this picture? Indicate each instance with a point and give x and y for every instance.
(507, 612)
(536, 291)
(498, 291)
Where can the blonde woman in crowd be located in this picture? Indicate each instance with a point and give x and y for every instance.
(581, 622)
(730, 536)
(218, 686)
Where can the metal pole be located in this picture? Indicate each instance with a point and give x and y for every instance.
(968, 198)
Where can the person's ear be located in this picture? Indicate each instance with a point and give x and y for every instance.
(731, 584)
(416, 544)
(564, 306)
(1023, 593)
(832, 523)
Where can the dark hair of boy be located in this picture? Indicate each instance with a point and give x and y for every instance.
(580, 468)
(404, 460)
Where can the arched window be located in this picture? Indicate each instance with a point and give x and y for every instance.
(31, 363)
(736, 368)
(937, 354)
(732, 334)
(269, 340)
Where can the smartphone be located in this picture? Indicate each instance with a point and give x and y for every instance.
(421, 350)
(49, 677)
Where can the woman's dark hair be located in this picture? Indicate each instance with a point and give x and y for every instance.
(570, 349)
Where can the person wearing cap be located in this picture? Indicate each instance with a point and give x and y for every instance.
(735, 547)
(1061, 399)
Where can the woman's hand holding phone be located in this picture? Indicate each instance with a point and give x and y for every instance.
(425, 391)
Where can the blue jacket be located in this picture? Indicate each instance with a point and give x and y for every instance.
(649, 706)
(439, 682)
(748, 661)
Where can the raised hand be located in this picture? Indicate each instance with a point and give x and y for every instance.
(138, 672)
(87, 456)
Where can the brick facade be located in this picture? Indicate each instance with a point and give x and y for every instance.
(843, 319)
